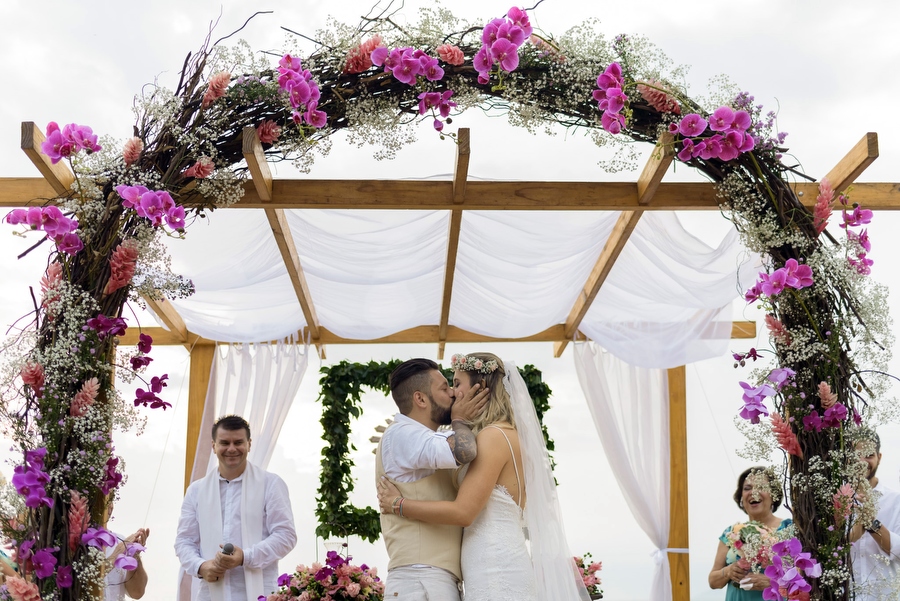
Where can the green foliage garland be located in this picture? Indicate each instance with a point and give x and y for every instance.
(341, 389)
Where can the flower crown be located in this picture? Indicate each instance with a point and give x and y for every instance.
(466, 363)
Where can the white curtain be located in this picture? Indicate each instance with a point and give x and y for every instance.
(259, 383)
(630, 407)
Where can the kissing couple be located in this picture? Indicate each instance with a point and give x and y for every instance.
(472, 510)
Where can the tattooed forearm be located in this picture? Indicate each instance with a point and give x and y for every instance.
(462, 443)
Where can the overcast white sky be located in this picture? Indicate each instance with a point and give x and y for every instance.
(830, 67)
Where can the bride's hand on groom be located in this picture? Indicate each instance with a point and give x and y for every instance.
(470, 405)
(388, 496)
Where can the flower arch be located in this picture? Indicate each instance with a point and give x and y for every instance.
(186, 159)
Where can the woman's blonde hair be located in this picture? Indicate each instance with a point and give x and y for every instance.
(499, 406)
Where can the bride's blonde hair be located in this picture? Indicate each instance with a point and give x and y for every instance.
(499, 406)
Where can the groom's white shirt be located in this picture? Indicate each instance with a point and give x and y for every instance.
(411, 451)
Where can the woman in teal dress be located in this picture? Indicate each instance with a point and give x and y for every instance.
(759, 496)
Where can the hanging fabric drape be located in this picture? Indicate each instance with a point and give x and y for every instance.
(630, 408)
(259, 383)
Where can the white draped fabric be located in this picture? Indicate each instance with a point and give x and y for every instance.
(630, 407)
(258, 382)
(666, 301)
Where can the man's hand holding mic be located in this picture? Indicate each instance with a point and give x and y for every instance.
(229, 557)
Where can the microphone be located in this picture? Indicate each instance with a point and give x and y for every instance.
(227, 549)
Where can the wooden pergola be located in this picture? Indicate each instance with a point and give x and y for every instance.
(630, 199)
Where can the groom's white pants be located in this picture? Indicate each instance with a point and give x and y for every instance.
(424, 583)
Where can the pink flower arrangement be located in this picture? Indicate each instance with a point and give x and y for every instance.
(202, 169)
(155, 206)
(132, 151)
(78, 519)
(778, 331)
(824, 205)
(843, 504)
(451, 54)
(121, 266)
(501, 39)
(407, 64)
(336, 580)
(84, 398)
(827, 398)
(588, 572)
(22, 590)
(611, 98)
(268, 132)
(359, 58)
(303, 93)
(50, 287)
(218, 83)
(51, 220)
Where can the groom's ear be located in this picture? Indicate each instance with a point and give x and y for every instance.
(418, 399)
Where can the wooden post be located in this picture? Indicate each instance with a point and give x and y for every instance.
(202, 356)
(679, 563)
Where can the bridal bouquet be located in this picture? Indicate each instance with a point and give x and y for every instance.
(337, 580)
(587, 570)
(753, 542)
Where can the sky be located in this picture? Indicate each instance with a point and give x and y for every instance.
(828, 68)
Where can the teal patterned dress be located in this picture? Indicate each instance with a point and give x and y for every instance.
(733, 593)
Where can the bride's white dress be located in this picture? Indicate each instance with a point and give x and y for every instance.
(496, 565)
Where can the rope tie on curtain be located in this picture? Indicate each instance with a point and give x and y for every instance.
(658, 554)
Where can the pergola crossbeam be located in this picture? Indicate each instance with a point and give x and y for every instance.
(853, 164)
(58, 175)
(460, 177)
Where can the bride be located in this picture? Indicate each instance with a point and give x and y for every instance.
(511, 467)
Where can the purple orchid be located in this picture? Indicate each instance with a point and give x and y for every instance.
(781, 376)
(111, 477)
(44, 562)
(835, 415)
(145, 343)
(813, 421)
(106, 326)
(64, 577)
(754, 401)
(140, 361)
(692, 125)
(506, 53)
(99, 538)
(773, 284)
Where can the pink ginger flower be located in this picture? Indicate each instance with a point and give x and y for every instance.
(778, 331)
(79, 518)
(22, 590)
(132, 151)
(121, 266)
(50, 286)
(658, 99)
(218, 83)
(824, 202)
(787, 440)
(84, 398)
(33, 375)
(268, 132)
(843, 503)
(827, 397)
(203, 168)
(359, 58)
(451, 54)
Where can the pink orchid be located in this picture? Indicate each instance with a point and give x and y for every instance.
(773, 284)
(131, 195)
(506, 53)
(483, 61)
(721, 119)
(518, 16)
(857, 217)
(798, 276)
(692, 125)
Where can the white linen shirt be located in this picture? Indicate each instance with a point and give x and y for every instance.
(876, 575)
(411, 451)
(279, 536)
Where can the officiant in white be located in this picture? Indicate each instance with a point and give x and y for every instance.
(235, 524)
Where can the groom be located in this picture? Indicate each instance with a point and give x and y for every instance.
(424, 558)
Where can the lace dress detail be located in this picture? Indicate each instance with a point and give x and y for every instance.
(496, 565)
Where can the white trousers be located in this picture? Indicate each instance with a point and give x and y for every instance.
(421, 584)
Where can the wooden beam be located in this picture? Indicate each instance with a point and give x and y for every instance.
(679, 563)
(58, 175)
(480, 196)
(167, 314)
(201, 362)
(460, 177)
(655, 169)
(420, 334)
(285, 241)
(854, 163)
(256, 162)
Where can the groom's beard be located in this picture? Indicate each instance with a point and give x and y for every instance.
(439, 415)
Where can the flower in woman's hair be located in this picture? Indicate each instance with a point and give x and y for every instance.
(218, 83)
(22, 590)
(777, 330)
(132, 151)
(826, 397)
(84, 398)
(657, 98)
(786, 438)
(451, 54)
(33, 375)
(268, 132)
(824, 206)
(203, 168)
(78, 519)
(121, 266)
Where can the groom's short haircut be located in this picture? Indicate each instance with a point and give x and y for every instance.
(231, 422)
(409, 377)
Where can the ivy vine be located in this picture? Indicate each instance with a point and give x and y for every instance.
(341, 390)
